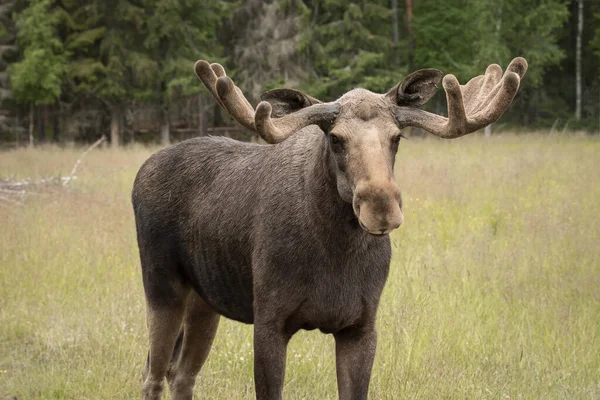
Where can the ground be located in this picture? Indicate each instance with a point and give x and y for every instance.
(493, 292)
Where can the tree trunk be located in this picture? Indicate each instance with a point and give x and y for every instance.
(498, 26)
(31, 117)
(114, 126)
(18, 131)
(41, 125)
(165, 129)
(578, 61)
(395, 33)
(411, 39)
(487, 131)
(56, 123)
(201, 116)
(217, 117)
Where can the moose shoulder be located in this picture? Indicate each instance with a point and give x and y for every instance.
(287, 236)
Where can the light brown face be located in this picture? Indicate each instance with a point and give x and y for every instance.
(363, 134)
(363, 142)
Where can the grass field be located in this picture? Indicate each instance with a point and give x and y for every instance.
(494, 290)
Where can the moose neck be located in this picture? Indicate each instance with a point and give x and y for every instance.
(326, 207)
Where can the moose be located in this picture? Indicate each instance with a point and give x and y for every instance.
(288, 235)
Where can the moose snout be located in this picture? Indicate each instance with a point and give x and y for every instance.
(378, 207)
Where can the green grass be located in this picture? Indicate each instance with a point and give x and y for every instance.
(494, 290)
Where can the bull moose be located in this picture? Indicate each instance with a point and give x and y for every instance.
(289, 235)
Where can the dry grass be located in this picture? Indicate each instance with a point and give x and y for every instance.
(494, 290)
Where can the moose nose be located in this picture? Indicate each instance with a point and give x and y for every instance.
(378, 206)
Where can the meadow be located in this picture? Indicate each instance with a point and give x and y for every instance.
(494, 290)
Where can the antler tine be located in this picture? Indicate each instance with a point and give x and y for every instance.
(470, 107)
(220, 72)
(235, 103)
(264, 124)
(207, 75)
(228, 95)
(497, 104)
(275, 130)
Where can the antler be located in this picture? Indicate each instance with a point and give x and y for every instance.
(470, 107)
(272, 130)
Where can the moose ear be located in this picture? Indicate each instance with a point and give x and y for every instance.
(416, 89)
(287, 101)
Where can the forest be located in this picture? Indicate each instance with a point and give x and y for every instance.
(492, 290)
(74, 70)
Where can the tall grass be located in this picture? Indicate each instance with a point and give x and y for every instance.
(494, 290)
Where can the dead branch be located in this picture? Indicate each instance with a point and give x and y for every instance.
(72, 175)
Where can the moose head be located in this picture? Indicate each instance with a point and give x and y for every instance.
(363, 129)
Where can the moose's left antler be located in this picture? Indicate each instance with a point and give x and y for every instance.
(470, 107)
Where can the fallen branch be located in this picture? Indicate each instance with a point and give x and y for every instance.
(14, 192)
(72, 175)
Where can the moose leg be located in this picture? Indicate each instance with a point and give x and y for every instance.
(164, 321)
(355, 352)
(199, 328)
(270, 345)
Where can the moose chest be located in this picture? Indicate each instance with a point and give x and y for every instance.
(323, 289)
(329, 305)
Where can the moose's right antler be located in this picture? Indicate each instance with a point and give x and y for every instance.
(272, 130)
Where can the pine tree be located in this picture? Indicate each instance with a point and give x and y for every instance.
(177, 34)
(38, 77)
(351, 44)
(8, 54)
(262, 42)
(108, 61)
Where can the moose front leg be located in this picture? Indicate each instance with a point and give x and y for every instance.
(355, 352)
(270, 345)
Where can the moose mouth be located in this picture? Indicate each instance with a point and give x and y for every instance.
(379, 233)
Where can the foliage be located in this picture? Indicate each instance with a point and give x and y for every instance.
(262, 41)
(528, 31)
(468, 35)
(350, 45)
(105, 41)
(38, 77)
(177, 34)
(595, 43)
(121, 54)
